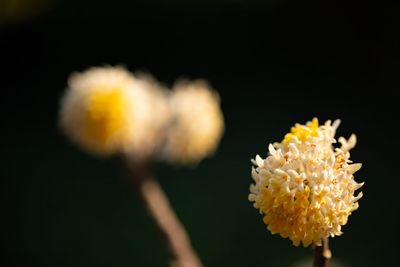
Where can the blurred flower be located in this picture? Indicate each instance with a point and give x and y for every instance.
(106, 110)
(19, 10)
(197, 124)
(305, 188)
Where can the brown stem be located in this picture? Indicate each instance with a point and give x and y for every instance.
(152, 195)
(322, 254)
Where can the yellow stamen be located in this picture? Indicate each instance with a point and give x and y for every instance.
(105, 116)
(302, 131)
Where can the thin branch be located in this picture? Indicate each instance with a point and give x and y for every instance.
(159, 208)
(322, 254)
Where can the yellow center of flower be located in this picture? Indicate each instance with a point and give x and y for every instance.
(105, 116)
(302, 131)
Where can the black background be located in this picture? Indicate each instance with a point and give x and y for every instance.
(274, 63)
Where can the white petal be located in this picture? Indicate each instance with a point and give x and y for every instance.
(255, 175)
(354, 167)
(358, 197)
(253, 188)
(271, 149)
(252, 197)
(292, 173)
(293, 149)
(259, 161)
(336, 124)
(352, 140)
(328, 123)
(280, 172)
(342, 140)
(358, 186)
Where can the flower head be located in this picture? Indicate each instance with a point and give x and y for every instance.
(107, 110)
(197, 124)
(305, 187)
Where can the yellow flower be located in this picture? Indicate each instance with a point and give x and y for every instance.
(305, 187)
(197, 124)
(302, 131)
(107, 110)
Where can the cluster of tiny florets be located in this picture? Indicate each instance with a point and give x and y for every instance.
(198, 122)
(109, 110)
(305, 187)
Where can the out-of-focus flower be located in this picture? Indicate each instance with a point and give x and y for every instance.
(305, 187)
(19, 10)
(197, 124)
(106, 110)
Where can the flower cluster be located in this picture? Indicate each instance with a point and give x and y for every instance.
(198, 122)
(108, 110)
(305, 187)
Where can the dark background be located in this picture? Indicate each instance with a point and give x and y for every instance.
(274, 63)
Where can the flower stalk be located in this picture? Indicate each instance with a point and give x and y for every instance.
(177, 240)
(322, 254)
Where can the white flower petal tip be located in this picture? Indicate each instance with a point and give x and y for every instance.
(354, 167)
(360, 195)
(336, 124)
(358, 186)
(259, 161)
(271, 149)
(352, 140)
(252, 197)
(349, 144)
